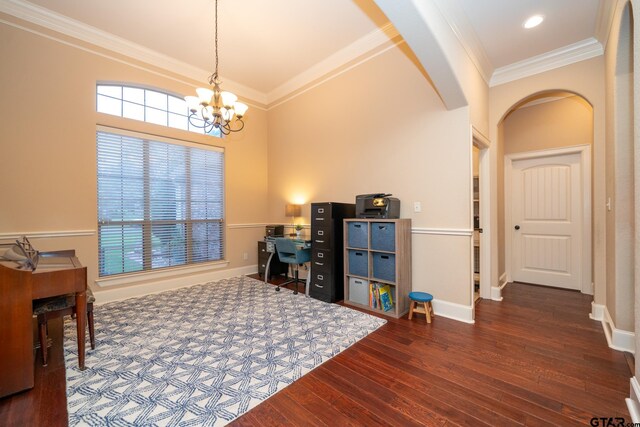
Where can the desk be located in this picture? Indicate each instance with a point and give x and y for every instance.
(271, 249)
(55, 275)
(264, 259)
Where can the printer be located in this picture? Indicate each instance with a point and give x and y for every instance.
(378, 205)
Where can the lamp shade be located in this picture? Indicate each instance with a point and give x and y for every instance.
(240, 108)
(293, 210)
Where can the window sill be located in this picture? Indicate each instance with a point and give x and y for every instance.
(147, 276)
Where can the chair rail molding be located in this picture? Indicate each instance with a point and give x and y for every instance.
(247, 225)
(443, 231)
(46, 234)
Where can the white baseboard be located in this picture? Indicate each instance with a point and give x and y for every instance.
(502, 281)
(110, 295)
(597, 311)
(617, 339)
(633, 402)
(496, 291)
(450, 310)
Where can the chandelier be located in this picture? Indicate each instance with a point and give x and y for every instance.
(215, 108)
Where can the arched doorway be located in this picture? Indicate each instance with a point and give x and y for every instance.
(544, 191)
(620, 185)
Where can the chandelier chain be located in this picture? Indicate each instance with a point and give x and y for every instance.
(216, 40)
(214, 108)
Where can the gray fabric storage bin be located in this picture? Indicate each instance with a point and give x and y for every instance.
(359, 290)
(383, 236)
(357, 235)
(384, 266)
(358, 263)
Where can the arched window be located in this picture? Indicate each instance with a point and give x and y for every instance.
(147, 105)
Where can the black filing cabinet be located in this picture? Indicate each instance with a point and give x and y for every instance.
(327, 263)
(277, 267)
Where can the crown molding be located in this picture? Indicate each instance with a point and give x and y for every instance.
(576, 52)
(70, 27)
(59, 23)
(464, 32)
(363, 46)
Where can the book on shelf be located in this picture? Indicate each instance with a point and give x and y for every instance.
(386, 298)
(380, 296)
(374, 300)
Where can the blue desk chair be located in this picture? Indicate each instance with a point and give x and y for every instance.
(290, 253)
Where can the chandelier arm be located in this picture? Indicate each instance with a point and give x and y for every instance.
(207, 126)
(191, 121)
(241, 125)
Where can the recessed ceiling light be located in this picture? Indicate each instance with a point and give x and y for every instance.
(533, 21)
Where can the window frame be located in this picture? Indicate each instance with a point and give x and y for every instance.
(167, 271)
(216, 133)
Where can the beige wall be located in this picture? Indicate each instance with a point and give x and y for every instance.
(419, 152)
(389, 132)
(556, 123)
(586, 79)
(562, 122)
(636, 157)
(48, 160)
(619, 166)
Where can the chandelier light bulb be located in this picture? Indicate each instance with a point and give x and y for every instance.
(228, 99)
(205, 95)
(240, 109)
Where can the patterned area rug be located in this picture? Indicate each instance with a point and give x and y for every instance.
(203, 355)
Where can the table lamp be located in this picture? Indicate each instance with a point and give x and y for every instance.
(293, 211)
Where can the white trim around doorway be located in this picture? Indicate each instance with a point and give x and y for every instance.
(585, 165)
(482, 143)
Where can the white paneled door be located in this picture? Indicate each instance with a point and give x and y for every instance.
(546, 209)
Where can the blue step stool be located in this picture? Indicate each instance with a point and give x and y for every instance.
(420, 298)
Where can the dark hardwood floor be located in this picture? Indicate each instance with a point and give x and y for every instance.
(533, 359)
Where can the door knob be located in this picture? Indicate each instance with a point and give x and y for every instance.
(517, 227)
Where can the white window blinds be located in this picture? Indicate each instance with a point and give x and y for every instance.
(160, 204)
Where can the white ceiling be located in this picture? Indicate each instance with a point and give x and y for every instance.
(262, 43)
(266, 45)
(498, 25)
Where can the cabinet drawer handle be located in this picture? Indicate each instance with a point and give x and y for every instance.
(357, 226)
(319, 263)
(319, 241)
(319, 219)
(318, 286)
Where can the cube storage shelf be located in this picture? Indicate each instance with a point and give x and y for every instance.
(377, 251)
